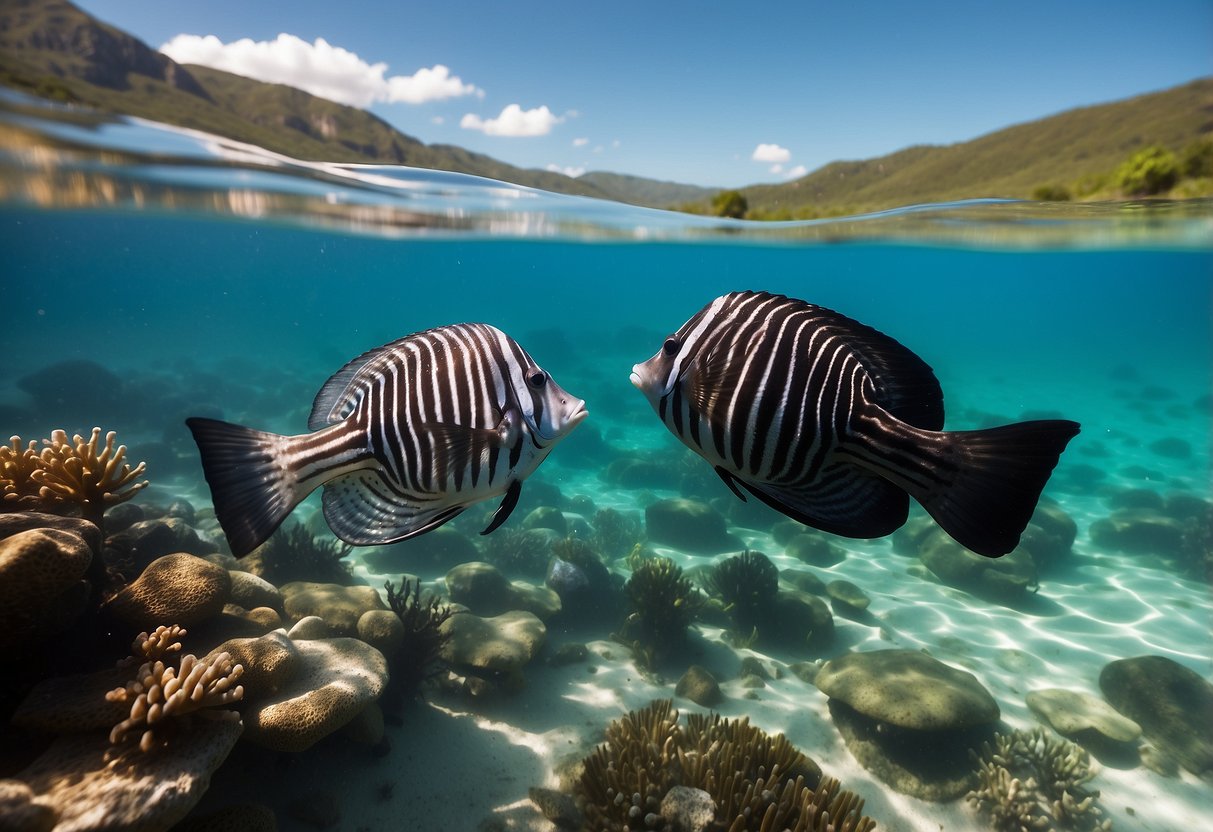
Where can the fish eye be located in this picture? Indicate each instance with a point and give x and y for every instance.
(670, 347)
(537, 379)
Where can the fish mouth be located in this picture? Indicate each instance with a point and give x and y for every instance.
(636, 380)
(578, 416)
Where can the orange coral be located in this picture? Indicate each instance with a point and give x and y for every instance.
(17, 466)
(159, 692)
(81, 472)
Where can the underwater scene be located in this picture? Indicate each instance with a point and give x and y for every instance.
(651, 637)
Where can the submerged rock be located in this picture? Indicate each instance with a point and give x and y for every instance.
(1172, 704)
(700, 686)
(688, 525)
(910, 719)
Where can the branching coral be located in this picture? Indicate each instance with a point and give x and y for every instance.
(150, 647)
(747, 584)
(663, 604)
(17, 465)
(161, 692)
(1030, 780)
(757, 782)
(83, 473)
(418, 655)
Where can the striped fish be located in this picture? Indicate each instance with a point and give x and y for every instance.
(406, 437)
(836, 425)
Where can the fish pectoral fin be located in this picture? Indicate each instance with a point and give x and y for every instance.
(712, 376)
(508, 429)
(506, 508)
(461, 444)
(731, 482)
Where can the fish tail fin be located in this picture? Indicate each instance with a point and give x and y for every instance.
(992, 480)
(253, 491)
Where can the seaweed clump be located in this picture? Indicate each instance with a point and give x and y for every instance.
(615, 533)
(662, 604)
(747, 585)
(1029, 780)
(292, 554)
(417, 659)
(756, 781)
(163, 692)
(517, 551)
(81, 473)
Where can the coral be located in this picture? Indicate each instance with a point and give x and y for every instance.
(17, 465)
(159, 692)
(79, 472)
(292, 554)
(334, 680)
(757, 781)
(615, 533)
(1028, 780)
(747, 584)
(418, 656)
(180, 587)
(663, 604)
(154, 646)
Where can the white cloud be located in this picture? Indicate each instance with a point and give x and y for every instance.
(771, 153)
(796, 172)
(580, 142)
(776, 168)
(567, 170)
(319, 68)
(514, 121)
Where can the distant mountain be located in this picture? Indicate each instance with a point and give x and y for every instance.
(54, 49)
(1077, 149)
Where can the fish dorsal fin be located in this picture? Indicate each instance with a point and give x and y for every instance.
(711, 376)
(363, 509)
(340, 393)
(905, 384)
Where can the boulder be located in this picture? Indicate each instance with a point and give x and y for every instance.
(1172, 704)
(499, 644)
(339, 606)
(486, 591)
(851, 597)
(383, 630)
(909, 719)
(814, 549)
(1004, 580)
(700, 686)
(94, 785)
(1074, 714)
(547, 517)
(688, 525)
(269, 662)
(250, 591)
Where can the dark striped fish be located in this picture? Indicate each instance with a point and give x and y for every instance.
(834, 424)
(406, 437)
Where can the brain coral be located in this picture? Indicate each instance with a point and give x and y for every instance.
(181, 588)
(335, 680)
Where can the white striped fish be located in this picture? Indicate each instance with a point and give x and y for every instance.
(406, 437)
(836, 425)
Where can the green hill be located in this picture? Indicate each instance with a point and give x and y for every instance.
(1077, 149)
(54, 49)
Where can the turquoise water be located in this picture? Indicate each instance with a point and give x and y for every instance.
(202, 279)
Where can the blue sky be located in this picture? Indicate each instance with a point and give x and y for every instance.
(690, 91)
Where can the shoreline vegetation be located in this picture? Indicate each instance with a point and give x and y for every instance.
(1156, 145)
